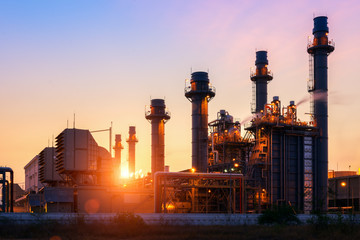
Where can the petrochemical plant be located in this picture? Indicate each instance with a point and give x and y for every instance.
(278, 160)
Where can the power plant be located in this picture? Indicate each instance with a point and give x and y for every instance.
(277, 160)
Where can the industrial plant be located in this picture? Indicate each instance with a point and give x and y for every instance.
(277, 159)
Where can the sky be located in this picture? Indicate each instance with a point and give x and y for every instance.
(104, 60)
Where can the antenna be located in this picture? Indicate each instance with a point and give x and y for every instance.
(74, 122)
(110, 134)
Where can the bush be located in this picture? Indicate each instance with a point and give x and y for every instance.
(283, 215)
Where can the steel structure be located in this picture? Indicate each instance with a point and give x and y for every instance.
(47, 171)
(280, 170)
(198, 193)
(319, 49)
(7, 190)
(199, 93)
(228, 151)
(157, 116)
(132, 140)
(260, 78)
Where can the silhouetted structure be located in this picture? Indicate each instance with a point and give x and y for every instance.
(157, 116)
(260, 79)
(199, 93)
(132, 140)
(319, 49)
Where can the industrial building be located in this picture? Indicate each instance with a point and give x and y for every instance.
(277, 159)
(344, 191)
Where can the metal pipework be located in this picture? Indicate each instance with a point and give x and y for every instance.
(157, 116)
(7, 187)
(118, 147)
(319, 49)
(199, 93)
(260, 78)
(132, 140)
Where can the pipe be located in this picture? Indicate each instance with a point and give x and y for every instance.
(3, 171)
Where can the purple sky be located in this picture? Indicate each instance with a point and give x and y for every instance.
(103, 60)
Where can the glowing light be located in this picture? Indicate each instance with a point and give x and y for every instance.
(124, 185)
(209, 191)
(343, 184)
(236, 165)
(193, 170)
(170, 206)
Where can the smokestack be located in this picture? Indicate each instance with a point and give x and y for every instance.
(319, 50)
(199, 93)
(118, 147)
(157, 116)
(132, 140)
(260, 79)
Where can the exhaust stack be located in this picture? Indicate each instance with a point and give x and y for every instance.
(199, 93)
(319, 49)
(157, 116)
(132, 140)
(260, 79)
(117, 163)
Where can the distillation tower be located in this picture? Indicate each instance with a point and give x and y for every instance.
(157, 116)
(199, 93)
(260, 78)
(132, 140)
(319, 49)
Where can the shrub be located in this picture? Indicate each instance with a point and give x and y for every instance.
(283, 215)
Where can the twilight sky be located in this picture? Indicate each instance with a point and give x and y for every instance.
(104, 60)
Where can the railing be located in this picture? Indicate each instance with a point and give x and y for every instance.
(312, 43)
(210, 89)
(253, 73)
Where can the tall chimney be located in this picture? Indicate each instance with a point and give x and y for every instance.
(118, 147)
(199, 93)
(319, 49)
(158, 116)
(260, 79)
(132, 140)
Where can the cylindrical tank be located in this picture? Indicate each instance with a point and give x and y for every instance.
(199, 94)
(158, 117)
(320, 49)
(261, 78)
(132, 140)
